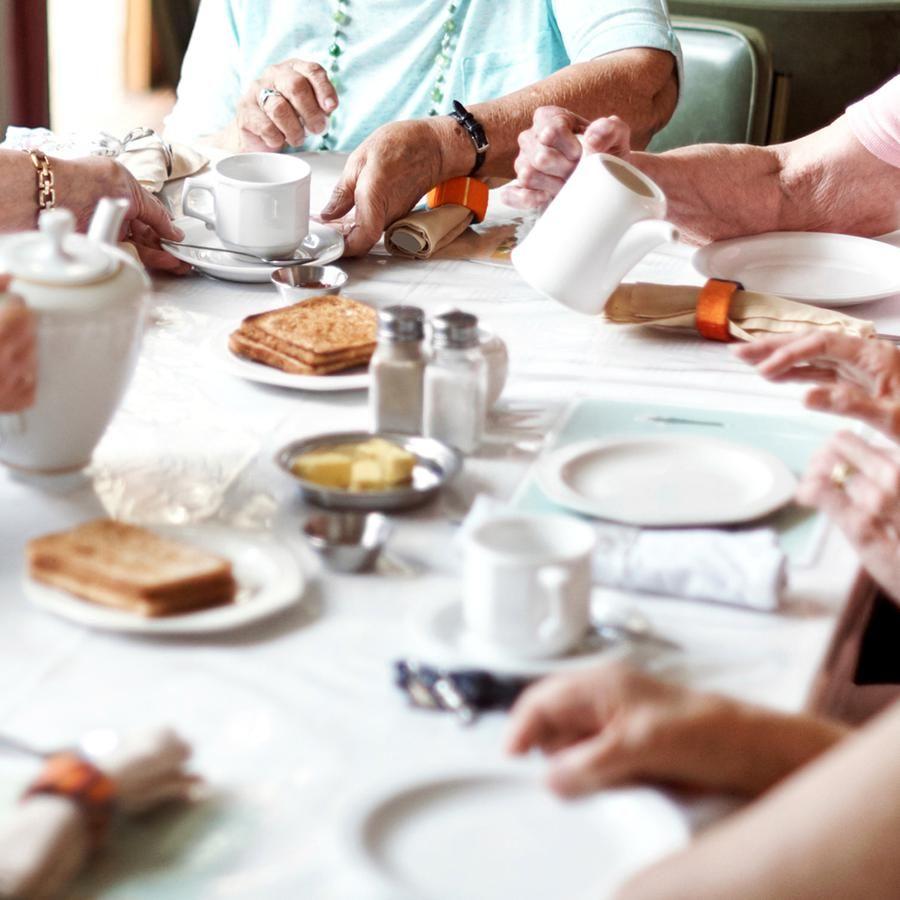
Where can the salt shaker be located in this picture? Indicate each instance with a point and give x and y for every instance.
(456, 383)
(397, 371)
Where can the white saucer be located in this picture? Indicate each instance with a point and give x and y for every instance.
(667, 480)
(324, 243)
(497, 831)
(217, 346)
(444, 642)
(268, 575)
(824, 269)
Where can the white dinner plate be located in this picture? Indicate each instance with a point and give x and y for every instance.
(350, 380)
(268, 575)
(324, 243)
(492, 833)
(825, 269)
(440, 632)
(666, 481)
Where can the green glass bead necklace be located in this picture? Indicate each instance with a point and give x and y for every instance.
(442, 60)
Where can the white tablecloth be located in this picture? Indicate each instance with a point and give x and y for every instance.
(291, 717)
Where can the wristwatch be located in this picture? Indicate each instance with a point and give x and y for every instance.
(475, 130)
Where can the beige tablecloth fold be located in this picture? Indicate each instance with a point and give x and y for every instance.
(421, 234)
(751, 315)
(149, 163)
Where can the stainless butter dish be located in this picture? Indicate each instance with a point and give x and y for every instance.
(437, 464)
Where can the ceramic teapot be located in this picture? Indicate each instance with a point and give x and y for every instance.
(604, 220)
(89, 298)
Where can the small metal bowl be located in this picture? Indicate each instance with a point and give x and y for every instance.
(300, 282)
(436, 465)
(348, 541)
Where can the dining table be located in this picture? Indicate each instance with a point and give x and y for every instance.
(292, 717)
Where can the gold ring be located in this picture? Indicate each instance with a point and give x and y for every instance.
(840, 473)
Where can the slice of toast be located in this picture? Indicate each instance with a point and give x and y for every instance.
(129, 567)
(319, 325)
(253, 350)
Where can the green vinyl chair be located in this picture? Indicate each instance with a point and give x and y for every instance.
(726, 96)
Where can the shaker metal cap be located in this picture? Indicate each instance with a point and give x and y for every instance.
(401, 323)
(455, 329)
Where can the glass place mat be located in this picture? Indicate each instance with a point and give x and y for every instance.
(794, 441)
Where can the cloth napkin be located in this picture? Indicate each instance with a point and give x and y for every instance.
(45, 842)
(148, 158)
(421, 234)
(743, 568)
(751, 314)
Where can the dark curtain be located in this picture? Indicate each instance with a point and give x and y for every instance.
(173, 22)
(27, 69)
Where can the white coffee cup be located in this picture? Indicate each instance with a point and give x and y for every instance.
(260, 200)
(605, 219)
(527, 585)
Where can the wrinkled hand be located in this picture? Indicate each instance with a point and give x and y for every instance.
(857, 377)
(18, 354)
(550, 150)
(308, 99)
(612, 724)
(383, 180)
(866, 507)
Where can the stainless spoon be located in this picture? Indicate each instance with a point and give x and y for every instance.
(293, 261)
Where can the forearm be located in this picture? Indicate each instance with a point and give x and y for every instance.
(827, 832)
(637, 85)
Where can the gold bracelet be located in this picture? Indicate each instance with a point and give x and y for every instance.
(46, 183)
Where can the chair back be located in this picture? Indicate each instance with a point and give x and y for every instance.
(727, 92)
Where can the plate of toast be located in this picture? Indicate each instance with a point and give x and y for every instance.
(113, 576)
(320, 344)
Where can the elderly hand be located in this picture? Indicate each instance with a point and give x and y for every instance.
(383, 179)
(550, 150)
(18, 354)
(307, 100)
(858, 487)
(857, 377)
(612, 724)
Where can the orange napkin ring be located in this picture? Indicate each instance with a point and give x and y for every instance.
(68, 775)
(468, 192)
(713, 307)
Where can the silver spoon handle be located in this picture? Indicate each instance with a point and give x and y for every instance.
(293, 261)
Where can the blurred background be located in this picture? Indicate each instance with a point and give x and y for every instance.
(113, 64)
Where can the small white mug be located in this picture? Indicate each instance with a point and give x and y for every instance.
(527, 585)
(261, 202)
(604, 220)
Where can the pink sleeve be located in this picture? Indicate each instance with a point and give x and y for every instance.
(875, 121)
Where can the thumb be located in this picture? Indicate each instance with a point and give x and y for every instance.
(342, 199)
(590, 765)
(608, 135)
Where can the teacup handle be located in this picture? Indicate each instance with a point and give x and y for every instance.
(554, 580)
(187, 207)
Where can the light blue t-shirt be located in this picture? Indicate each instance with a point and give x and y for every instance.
(388, 66)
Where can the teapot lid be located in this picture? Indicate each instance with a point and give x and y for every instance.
(55, 255)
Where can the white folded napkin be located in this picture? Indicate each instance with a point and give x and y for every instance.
(744, 568)
(45, 842)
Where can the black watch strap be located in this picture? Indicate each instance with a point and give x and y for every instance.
(475, 130)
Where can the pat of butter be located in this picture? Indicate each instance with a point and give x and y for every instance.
(396, 463)
(366, 475)
(327, 469)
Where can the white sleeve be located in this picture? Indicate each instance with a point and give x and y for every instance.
(210, 84)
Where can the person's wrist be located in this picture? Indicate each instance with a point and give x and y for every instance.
(456, 151)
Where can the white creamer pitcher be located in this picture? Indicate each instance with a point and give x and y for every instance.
(89, 299)
(605, 219)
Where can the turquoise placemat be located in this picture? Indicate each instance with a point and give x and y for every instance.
(792, 440)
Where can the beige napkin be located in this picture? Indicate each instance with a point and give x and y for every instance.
(421, 234)
(751, 314)
(45, 843)
(147, 160)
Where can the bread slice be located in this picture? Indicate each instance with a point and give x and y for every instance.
(318, 336)
(128, 567)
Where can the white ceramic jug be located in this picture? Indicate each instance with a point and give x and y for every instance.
(605, 219)
(89, 298)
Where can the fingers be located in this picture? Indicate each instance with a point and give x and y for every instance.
(258, 131)
(523, 198)
(149, 211)
(849, 400)
(592, 764)
(371, 217)
(544, 713)
(343, 197)
(282, 113)
(5, 281)
(326, 95)
(608, 135)
(300, 96)
(146, 242)
(876, 464)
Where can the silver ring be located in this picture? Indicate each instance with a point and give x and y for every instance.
(266, 94)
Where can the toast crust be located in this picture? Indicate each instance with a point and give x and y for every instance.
(253, 350)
